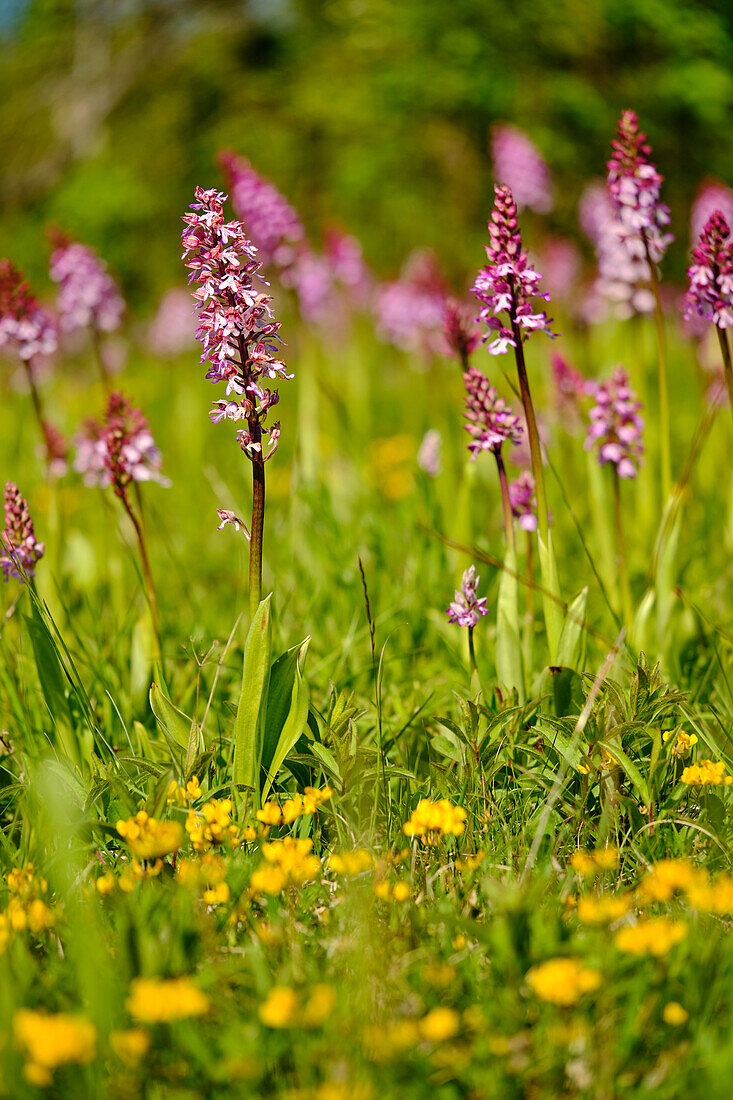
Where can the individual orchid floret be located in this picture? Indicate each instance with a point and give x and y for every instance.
(710, 294)
(460, 331)
(226, 516)
(615, 425)
(523, 501)
(467, 607)
(430, 453)
(507, 285)
(712, 196)
(634, 186)
(491, 422)
(235, 321)
(135, 455)
(273, 225)
(88, 295)
(25, 327)
(20, 550)
(173, 328)
(409, 310)
(518, 164)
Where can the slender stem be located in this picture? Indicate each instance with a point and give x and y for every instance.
(147, 572)
(99, 356)
(664, 429)
(258, 523)
(727, 368)
(471, 651)
(505, 500)
(621, 567)
(533, 435)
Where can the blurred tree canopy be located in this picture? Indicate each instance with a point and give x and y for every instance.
(372, 114)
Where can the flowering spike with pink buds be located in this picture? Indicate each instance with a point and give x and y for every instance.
(711, 275)
(506, 285)
(25, 327)
(134, 455)
(711, 196)
(491, 422)
(634, 186)
(273, 225)
(460, 331)
(519, 164)
(467, 607)
(616, 425)
(20, 550)
(88, 295)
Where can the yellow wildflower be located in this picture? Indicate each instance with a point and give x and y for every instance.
(148, 838)
(217, 895)
(674, 1014)
(351, 863)
(387, 891)
(49, 1041)
(470, 863)
(707, 773)
(161, 1000)
(280, 1009)
(130, 1044)
(319, 1005)
(270, 814)
(212, 824)
(439, 1024)
(655, 936)
(287, 862)
(562, 981)
(105, 884)
(603, 910)
(593, 863)
(432, 820)
(669, 877)
(193, 789)
(713, 897)
(682, 743)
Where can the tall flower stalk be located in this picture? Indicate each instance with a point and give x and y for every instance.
(491, 424)
(506, 287)
(710, 293)
(634, 186)
(20, 551)
(237, 330)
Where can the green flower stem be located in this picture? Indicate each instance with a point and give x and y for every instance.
(621, 566)
(258, 523)
(548, 566)
(665, 455)
(727, 367)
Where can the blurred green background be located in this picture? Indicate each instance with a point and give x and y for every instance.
(372, 114)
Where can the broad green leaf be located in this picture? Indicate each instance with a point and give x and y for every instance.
(173, 722)
(248, 725)
(551, 594)
(508, 646)
(631, 770)
(195, 746)
(571, 650)
(446, 747)
(326, 758)
(286, 689)
(141, 655)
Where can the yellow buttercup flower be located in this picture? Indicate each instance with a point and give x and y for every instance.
(163, 1000)
(131, 1044)
(281, 1007)
(593, 863)
(655, 936)
(682, 742)
(439, 1025)
(604, 909)
(562, 981)
(351, 863)
(667, 878)
(433, 820)
(707, 773)
(674, 1014)
(49, 1041)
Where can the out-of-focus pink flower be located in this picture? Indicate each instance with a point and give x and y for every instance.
(410, 309)
(634, 185)
(519, 165)
(615, 425)
(711, 196)
(312, 278)
(55, 450)
(571, 386)
(88, 295)
(467, 607)
(173, 329)
(506, 286)
(430, 453)
(136, 456)
(561, 265)
(624, 277)
(461, 333)
(524, 501)
(348, 268)
(20, 550)
(268, 219)
(25, 328)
